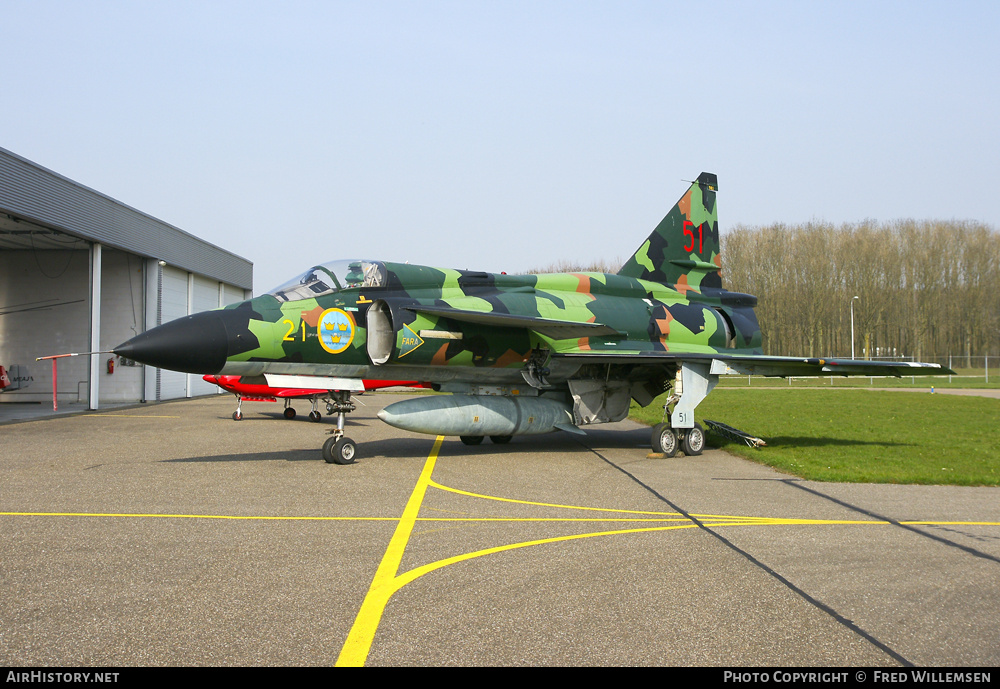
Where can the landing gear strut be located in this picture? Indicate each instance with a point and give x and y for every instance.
(339, 449)
(693, 383)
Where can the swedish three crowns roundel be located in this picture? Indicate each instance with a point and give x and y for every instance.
(336, 330)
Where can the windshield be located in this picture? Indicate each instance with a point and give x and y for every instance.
(331, 277)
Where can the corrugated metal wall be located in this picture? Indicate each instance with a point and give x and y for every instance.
(43, 196)
(195, 276)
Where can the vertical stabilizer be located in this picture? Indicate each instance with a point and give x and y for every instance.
(683, 250)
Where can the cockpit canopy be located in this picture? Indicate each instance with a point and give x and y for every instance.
(331, 277)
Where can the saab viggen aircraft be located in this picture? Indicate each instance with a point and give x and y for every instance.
(521, 354)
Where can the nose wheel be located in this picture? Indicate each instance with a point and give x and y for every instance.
(339, 449)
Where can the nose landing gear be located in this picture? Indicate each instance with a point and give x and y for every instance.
(339, 449)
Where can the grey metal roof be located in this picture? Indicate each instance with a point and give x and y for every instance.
(44, 197)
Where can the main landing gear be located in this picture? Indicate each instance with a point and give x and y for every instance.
(339, 449)
(692, 384)
(667, 440)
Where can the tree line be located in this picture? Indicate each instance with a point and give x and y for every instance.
(925, 289)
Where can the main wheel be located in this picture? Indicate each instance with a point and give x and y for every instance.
(289, 413)
(664, 440)
(471, 439)
(314, 415)
(500, 439)
(342, 451)
(694, 441)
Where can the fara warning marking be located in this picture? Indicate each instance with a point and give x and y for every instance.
(409, 341)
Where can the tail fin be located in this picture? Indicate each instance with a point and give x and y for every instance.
(684, 247)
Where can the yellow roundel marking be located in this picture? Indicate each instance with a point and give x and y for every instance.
(336, 330)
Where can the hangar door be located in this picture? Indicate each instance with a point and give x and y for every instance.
(172, 298)
(178, 293)
(204, 296)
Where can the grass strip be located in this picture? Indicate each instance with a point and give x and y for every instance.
(859, 436)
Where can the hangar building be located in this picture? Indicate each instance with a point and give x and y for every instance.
(82, 272)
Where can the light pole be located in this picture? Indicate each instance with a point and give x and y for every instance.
(852, 326)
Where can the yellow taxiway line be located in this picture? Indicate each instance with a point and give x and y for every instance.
(388, 580)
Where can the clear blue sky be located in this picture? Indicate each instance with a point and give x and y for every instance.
(503, 135)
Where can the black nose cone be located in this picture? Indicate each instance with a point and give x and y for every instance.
(199, 343)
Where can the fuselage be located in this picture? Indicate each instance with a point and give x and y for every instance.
(380, 320)
(414, 322)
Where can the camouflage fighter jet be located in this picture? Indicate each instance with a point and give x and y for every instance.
(522, 354)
